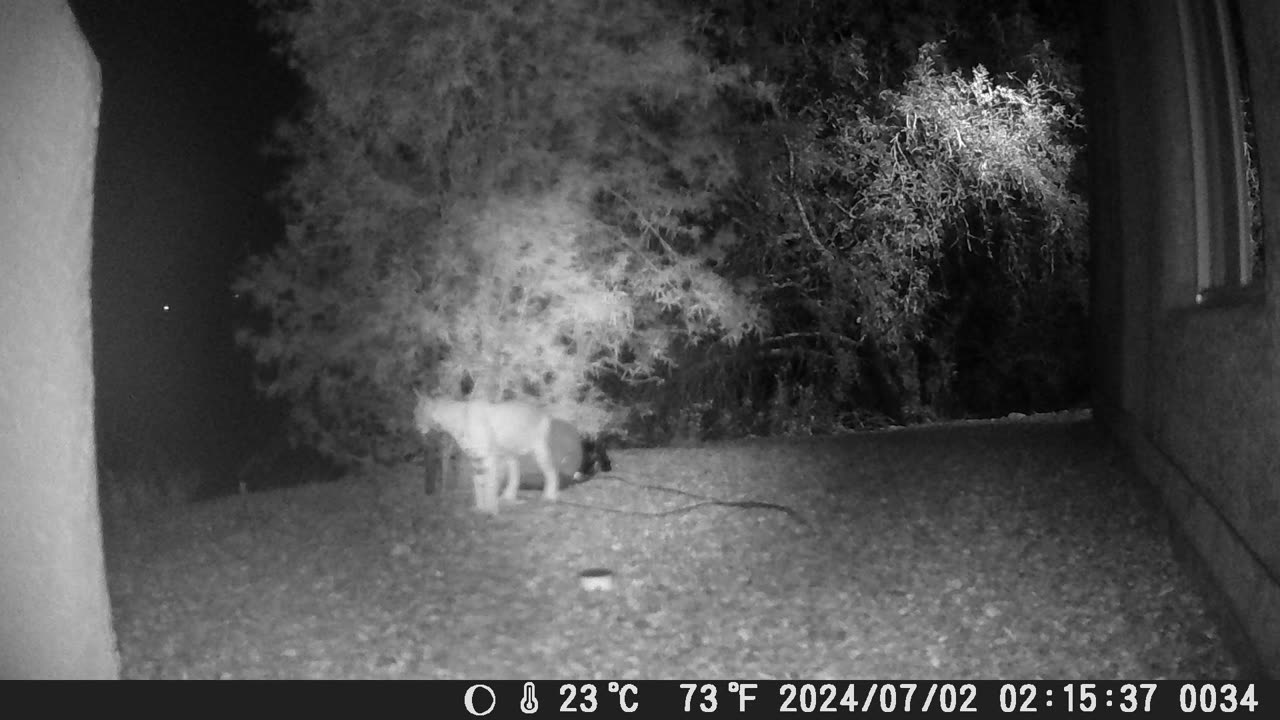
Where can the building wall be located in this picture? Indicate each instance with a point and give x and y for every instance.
(55, 619)
(1192, 390)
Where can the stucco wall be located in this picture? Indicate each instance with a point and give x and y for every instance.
(55, 619)
(1193, 391)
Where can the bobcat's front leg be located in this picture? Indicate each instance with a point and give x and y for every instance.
(486, 487)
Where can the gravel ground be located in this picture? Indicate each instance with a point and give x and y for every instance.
(991, 550)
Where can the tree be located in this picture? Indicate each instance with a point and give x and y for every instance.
(511, 192)
(914, 238)
(915, 205)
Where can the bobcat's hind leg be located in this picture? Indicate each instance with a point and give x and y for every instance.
(513, 480)
(550, 490)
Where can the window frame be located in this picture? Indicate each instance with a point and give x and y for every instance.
(1217, 100)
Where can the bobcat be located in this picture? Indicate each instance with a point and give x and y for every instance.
(495, 435)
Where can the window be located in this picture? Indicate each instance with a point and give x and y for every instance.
(1228, 212)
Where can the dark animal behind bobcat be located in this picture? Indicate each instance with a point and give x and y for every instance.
(577, 458)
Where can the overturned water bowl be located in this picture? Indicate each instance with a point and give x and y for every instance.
(596, 579)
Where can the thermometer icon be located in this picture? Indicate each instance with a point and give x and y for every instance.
(528, 703)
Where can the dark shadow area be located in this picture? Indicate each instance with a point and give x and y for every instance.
(191, 93)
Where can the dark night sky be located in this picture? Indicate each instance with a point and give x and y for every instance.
(190, 94)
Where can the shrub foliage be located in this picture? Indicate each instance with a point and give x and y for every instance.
(724, 217)
(506, 192)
